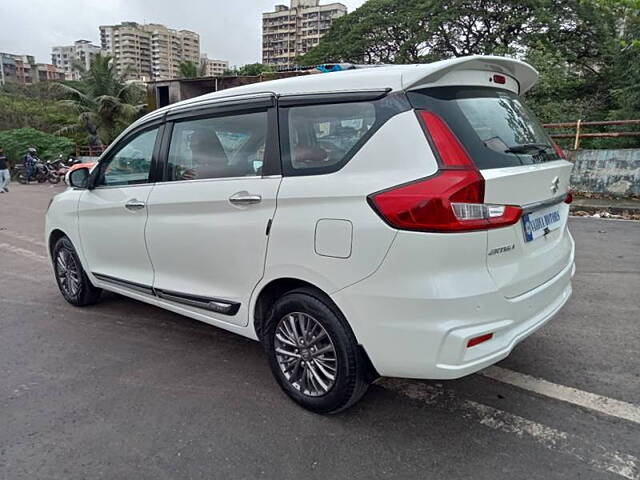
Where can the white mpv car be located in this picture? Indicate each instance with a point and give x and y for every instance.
(405, 221)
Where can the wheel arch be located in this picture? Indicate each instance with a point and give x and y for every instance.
(274, 290)
(55, 235)
(280, 286)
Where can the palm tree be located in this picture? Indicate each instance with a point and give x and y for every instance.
(189, 69)
(104, 102)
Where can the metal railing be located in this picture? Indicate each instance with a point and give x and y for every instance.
(579, 125)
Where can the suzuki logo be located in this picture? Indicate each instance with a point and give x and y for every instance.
(555, 184)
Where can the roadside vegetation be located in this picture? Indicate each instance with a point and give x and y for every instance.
(16, 141)
(587, 51)
(54, 116)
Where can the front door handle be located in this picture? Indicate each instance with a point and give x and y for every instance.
(134, 205)
(244, 198)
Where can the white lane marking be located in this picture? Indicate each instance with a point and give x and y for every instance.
(23, 252)
(596, 455)
(20, 236)
(599, 403)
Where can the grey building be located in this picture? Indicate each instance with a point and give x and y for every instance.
(290, 31)
(73, 59)
(150, 51)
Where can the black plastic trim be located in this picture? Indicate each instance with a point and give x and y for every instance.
(217, 305)
(207, 303)
(238, 105)
(340, 97)
(138, 287)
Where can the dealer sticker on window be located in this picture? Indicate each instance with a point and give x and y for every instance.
(540, 222)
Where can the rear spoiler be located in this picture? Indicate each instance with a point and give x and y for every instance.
(425, 75)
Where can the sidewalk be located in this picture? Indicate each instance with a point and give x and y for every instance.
(627, 207)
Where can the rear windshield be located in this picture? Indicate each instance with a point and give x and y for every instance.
(495, 126)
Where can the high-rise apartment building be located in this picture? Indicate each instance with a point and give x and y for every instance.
(151, 51)
(291, 31)
(211, 67)
(72, 59)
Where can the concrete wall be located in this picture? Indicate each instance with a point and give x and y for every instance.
(610, 172)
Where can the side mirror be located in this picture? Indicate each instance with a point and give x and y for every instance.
(78, 178)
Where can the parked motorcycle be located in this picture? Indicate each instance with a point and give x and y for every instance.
(41, 173)
(56, 170)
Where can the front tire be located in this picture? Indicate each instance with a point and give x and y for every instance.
(313, 353)
(72, 280)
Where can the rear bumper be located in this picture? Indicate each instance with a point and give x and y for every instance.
(425, 336)
(456, 360)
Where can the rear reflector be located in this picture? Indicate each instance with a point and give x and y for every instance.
(477, 340)
(452, 200)
(501, 79)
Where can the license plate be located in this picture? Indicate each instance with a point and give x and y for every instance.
(540, 222)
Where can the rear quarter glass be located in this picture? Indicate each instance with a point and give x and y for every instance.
(488, 121)
(317, 139)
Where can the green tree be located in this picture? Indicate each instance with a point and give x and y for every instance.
(417, 31)
(189, 69)
(103, 102)
(253, 69)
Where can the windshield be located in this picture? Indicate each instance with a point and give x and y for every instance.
(495, 126)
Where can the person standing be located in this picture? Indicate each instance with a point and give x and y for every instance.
(4, 172)
(30, 160)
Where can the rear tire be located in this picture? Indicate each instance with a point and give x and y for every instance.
(22, 178)
(72, 280)
(54, 178)
(321, 369)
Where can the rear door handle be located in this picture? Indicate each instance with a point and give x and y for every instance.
(134, 205)
(244, 198)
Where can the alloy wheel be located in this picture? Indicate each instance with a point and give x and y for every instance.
(306, 354)
(68, 273)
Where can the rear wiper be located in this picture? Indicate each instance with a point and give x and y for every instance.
(528, 147)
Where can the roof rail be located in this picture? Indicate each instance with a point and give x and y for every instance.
(328, 67)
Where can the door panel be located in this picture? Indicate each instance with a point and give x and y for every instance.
(112, 235)
(206, 232)
(112, 216)
(203, 245)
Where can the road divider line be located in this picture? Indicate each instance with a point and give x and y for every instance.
(592, 401)
(596, 455)
(23, 252)
(24, 238)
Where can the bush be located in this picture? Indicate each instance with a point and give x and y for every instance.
(16, 142)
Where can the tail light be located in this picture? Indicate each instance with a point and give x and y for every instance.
(559, 150)
(452, 200)
(569, 198)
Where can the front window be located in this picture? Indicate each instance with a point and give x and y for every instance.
(131, 164)
(229, 146)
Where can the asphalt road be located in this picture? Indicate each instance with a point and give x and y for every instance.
(126, 390)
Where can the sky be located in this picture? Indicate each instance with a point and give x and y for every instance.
(229, 29)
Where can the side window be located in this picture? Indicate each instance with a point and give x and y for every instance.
(227, 146)
(322, 136)
(131, 164)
